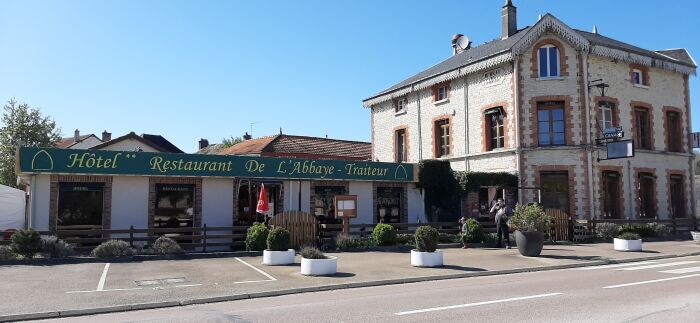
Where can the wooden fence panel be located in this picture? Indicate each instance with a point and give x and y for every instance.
(302, 226)
(561, 226)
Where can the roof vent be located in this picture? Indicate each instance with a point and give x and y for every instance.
(460, 43)
(595, 29)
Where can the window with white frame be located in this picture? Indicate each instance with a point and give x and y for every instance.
(441, 93)
(637, 77)
(400, 105)
(549, 61)
(606, 115)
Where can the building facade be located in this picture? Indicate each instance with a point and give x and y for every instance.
(530, 103)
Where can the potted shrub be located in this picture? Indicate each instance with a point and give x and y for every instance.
(315, 263)
(256, 237)
(607, 231)
(530, 223)
(425, 254)
(384, 235)
(628, 241)
(278, 251)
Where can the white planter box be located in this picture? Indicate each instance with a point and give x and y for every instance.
(627, 245)
(319, 267)
(274, 258)
(426, 259)
(696, 236)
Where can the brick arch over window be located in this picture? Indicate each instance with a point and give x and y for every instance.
(568, 117)
(407, 143)
(646, 80)
(486, 130)
(436, 133)
(535, 63)
(683, 144)
(635, 189)
(615, 111)
(685, 189)
(620, 202)
(650, 110)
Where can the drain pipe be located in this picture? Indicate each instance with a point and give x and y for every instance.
(589, 151)
(420, 131)
(466, 123)
(516, 105)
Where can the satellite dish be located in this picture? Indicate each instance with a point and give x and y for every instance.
(462, 42)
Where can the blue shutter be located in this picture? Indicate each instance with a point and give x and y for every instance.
(553, 61)
(543, 62)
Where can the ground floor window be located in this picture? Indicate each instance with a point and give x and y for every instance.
(389, 204)
(322, 202)
(248, 195)
(174, 206)
(677, 196)
(555, 190)
(80, 204)
(647, 203)
(611, 195)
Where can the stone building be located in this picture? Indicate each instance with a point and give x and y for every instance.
(530, 103)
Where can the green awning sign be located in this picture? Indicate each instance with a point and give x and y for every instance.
(34, 160)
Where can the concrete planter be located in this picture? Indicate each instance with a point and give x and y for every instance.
(529, 243)
(426, 259)
(627, 245)
(275, 258)
(696, 236)
(319, 267)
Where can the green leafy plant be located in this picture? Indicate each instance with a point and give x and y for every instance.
(490, 240)
(384, 235)
(256, 237)
(26, 243)
(442, 191)
(473, 181)
(426, 238)
(405, 238)
(660, 230)
(112, 249)
(164, 246)
(278, 239)
(6, 253)
(475, 233)
(644, 230)
(54, 247)
(312, 253)
(607, 231)
(527, 218)
(344, 242)
(629, 236)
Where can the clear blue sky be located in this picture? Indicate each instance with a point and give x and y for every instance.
(207, 69)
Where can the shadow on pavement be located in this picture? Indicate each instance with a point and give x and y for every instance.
(580, 258)
(462, 268)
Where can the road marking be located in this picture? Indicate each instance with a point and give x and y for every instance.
(103, 290)
(650, 281)
(670, 264)
(101, 284)
(475, 304)
(253, 281)
(616, 265)
(256, 269)
(191, 285)
(682, 270)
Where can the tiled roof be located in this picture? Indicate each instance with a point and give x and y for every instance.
(160, 141)
(301, 146)
(598, 39)
(154, 141)
(211, 149)
(70, 141)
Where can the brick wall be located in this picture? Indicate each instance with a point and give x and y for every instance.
(106, 195)
(197, 182)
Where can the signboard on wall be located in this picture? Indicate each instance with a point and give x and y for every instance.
(32, 160)
(345, 206)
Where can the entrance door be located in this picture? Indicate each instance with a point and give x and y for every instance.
(611, 195)
(647, 202)
(555, 190)
(677, 197)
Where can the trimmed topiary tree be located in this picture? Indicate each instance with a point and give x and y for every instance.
(165, 246)
(256, 237)
(26, 243)
(384, 235)
(278, 239)
(426, 238)
(476, 232)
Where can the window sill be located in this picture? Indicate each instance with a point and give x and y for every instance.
(550, 78)
(443, 101)
(641, 86)
(402, 112)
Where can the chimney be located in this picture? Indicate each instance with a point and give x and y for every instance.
(203, 143)
(76, 136)
(509, 26)
(247, 136)
(106, 136)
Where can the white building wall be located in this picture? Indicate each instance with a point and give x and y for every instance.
(217, 202)
(41, 200)
(130, 145)
(87, 143)
(291, 196)
(365, 209)
(416, 206)
(129, 202)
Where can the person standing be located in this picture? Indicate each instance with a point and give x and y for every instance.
(464, 234)
(501, 222)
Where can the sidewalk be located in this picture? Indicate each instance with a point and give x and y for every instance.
(69, 290)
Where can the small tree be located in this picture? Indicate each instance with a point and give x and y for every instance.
(228, 142)
(22, 125)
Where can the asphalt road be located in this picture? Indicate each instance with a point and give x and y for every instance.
(651, 291)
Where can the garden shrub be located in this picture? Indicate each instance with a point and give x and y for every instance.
(112, 249)
(629, 236)
(426, 238)
(26, 243)
(54, 247)
(491, 240)
(527, 218)
(475, 231)
(405, 238)
(643, 230)
(660, 230)
(312, 253)
(344, 242)
(165, 246)
(256, 237)
(384, 235)
(278, 239)
(6, 253)
(607, 231)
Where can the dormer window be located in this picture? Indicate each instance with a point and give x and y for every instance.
(400, 105)
(637, 77)
(441, 92)
(549, 61)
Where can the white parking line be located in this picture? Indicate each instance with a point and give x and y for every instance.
(253, 281)
(616, 265)
(670, 264)
(651, 281)
(101, 284)
(256, 269)
(682, 270)
(103, 290)
(475, 304)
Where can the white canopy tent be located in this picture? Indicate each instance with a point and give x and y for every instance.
(12, 202)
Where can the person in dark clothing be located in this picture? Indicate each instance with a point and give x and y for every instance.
(501, 222)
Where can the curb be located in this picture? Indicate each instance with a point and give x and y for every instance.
(228, 298)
